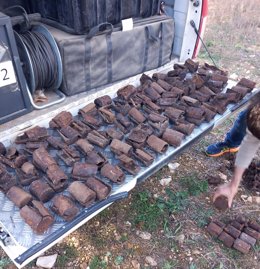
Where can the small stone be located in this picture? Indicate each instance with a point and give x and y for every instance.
(249, 199)
(47, 261)
(222, 176)
(253, 199)
(135, 264)
(127, 223)
(144, 235)
(214, 180)
(196, 252)
(165, 181)
(180, 239)
(150, 261)
(234, 76)
(244, 197)
(173, 166)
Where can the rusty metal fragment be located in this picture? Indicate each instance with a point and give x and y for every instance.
(157, 87)
(119, 147)
(136, 116)
(81, 171)
(219, 77)
(198, 80)
(114, 133)
(128, 164)
(41, 190)
(66, 158)
(18, 196)
(103, 101)
(27, 173)
(166, 86)
(7, 180)
(121, 106)
(69, 135)
(137, 138)
(80, 127)
(84, 146)
(206, 91)
(241, 246)
(2, 149)
(107, 115)
(89, 108)
(209, 114)
(42, 159)
(226, 239)
(200, 96)
(221, 202)
(191, 65)
(157, 76)
(102, 190)
(152, 93)
(56, 177)
(35, 134)
(143, 156)
(157, 144)
(56, 142)
(81, 193)
(94, 121)
(246, 83)
(146, 128)
(6, 161)
(63, 119)
(20, 160)
(164, 102)
(185, 128)
(174, 138)
(37, 216)
(215, 84)
(113, 173)
(11, 153)
(195, 112)
(98, 139)
(174, 114)
(241, 90)
(151, 107)
(96, 158)
(64, 207)
(31, 146)
(190, 101)
(126, 92)
(197, 122)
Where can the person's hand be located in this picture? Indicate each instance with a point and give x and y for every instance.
(228, 190)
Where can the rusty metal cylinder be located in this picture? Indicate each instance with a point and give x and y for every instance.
(80, 192)
(64, 207)
(18, 196)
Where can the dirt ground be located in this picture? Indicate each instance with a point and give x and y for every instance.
(173, 218)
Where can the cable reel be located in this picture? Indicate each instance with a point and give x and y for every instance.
(40, 58)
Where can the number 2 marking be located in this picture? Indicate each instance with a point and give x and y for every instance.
(5, 76)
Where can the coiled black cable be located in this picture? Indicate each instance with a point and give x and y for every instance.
(44, 63)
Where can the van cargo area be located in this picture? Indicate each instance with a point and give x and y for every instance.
(124, 98)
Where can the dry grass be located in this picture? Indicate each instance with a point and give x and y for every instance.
(233, 36)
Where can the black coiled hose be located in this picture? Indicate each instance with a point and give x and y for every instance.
(44, 63)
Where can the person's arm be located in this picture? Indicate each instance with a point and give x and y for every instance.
(230, 189)
(248, 149)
